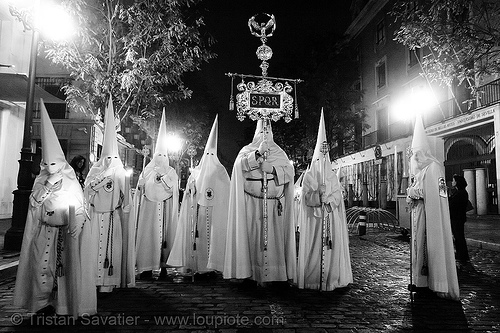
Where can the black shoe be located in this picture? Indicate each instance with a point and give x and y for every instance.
(419, 290)
(49, 310)
(146, 275)
(248, 284)
(163, 274)
(280, 285)
(206, 276)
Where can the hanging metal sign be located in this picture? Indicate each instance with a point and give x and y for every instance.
(264, 100)
(269, 97)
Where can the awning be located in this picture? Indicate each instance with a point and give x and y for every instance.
(14, 88)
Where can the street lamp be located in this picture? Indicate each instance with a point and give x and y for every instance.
(419, 100)
(175, 145)
(32, 20)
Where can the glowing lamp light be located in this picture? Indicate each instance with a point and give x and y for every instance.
(174, 143)
(418, 101)
(55, 23)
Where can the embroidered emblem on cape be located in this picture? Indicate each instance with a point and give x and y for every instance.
(158, 178)
(442, 188)
(109, 185)
(209, 193)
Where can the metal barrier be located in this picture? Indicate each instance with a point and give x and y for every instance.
(375, 217)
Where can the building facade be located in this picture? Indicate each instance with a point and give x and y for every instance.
(463, 131)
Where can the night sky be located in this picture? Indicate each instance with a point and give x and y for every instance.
(298, 24)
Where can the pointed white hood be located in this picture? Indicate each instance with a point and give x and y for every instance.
(420, 143)
(321, 140)
(159, 164)
(109, 155)
(161, 139)
(51, 149)
(320, 170)
(53, 153)
(109, 144)
(211, 177)
(211, 146)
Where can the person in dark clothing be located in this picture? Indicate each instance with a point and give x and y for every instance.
(79, 163)
(458, 207)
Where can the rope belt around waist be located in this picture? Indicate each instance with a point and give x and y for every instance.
(59, 262)
(259, 179)
(272, 198)
(106, 211)
(278, 198)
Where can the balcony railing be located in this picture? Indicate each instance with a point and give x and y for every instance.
(54, 86)
(487, 95)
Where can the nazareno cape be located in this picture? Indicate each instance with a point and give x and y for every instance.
(324, 238)
(431, 226)
(238, 262)
(200, 241)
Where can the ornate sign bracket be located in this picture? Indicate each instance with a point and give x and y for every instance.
(269, 97)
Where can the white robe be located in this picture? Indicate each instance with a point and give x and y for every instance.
(155, 212)
(201, 234)
(336, 271)
(36, 273)
(431, 233)
(245, 255)
(107, 200)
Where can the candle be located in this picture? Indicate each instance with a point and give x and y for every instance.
(396, 165)
(127, 188)
(71, 217)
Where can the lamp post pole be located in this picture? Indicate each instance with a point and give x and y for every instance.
(14, 236)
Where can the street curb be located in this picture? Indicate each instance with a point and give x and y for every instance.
(483, 245)
(8, 270)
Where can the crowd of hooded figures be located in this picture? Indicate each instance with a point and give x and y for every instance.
(82, 238)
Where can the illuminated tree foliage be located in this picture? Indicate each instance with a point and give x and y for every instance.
(137, 51)
(462, 37)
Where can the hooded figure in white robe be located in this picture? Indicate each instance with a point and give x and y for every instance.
(263, 252)
(201, 234)
(156, 208)
(433, 257)
(107, 195)
(53, 270)
(324, 261)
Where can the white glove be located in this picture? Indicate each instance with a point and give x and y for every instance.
(263, 147)
(54, 178)
(192, 186)
(266, 167)
(414, 193)
(126, 209)
(322, 193)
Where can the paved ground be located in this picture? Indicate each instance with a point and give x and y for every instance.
(377, 301)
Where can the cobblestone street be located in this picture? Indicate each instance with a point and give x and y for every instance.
(378, 300)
